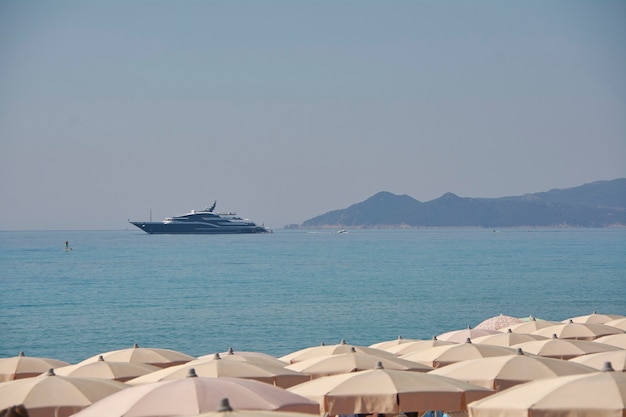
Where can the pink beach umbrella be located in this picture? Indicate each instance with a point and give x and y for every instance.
(22, 366)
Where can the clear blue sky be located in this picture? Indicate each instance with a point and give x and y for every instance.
(284, 110)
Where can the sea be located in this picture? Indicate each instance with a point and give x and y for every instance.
(281, 292)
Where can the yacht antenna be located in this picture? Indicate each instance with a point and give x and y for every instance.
(150, 214)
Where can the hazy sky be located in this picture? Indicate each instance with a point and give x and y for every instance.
(284, 110)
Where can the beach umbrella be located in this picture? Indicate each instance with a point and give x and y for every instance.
(594, 318)
(529, 326)
(352, 361)
(55, 395)
(598, 394)
(242, 356)
(507, 338)
(498, 322)
(151, 356)
(460, 336)
(445, 355)
(217, 367)
(578, 331)
(322, 350)
(225, 410)
(22, 366)
(599, 360)
(194, 395)
(391, 343)
(563, 348)
(118, 371)
(502, 372)
(417, 346)
(617, 340)
(617, 323)
(389, 391)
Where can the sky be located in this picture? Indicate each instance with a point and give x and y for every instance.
(285, 110)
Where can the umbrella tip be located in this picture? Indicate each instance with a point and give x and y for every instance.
(217, 356)
(343, 342)
(469, 327)
(191, 373)
(468, 340)
(322, 344)
(379, 365)
(509, 330)
(608, 367)
(21, 354)
(571, 321)
(519, 351)
(100, 358)
(595, 312)
(230, 352)
(352, 349)
(399, 337)
(434, 337)
(135, 345)
(554, 336)
(224, 406)
(50, 372)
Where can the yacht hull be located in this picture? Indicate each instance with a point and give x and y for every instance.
(196, 229)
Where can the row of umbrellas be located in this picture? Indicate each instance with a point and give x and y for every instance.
(403, 375)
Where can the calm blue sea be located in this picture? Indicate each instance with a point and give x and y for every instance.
(281, 292)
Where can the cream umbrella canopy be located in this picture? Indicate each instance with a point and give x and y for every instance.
(254, 357)
(151, 356)
(417, 346)
(22, 366)
(225, 410)
(391, 343)
(578, 331)
(352, 362)
(594, 318)
(217, 367)
(502, 372)
(507, 338)
(529, 326)
(54, 395)
(342, 347)
(618, 324)
(194, 395)
(388, 391)
(617, 340)
(117, 371)
(460, 336)
(598, 394)
(445, 355)
(599, 360)
(563, 348)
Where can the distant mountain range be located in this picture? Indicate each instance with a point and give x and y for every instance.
(598, 204)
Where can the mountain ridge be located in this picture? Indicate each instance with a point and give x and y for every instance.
(596, 204)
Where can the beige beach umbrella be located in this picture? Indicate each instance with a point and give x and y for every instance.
(217, 367)
(388, 391)
(322, 350)
(117, 371)
(445, 355)
(55, 395)
(599, 360)
(594, 318)
(391, 343)
(598, 394)
(617, 340)
(563, 348)
(226, 410)
(195, 395)
(242, 356)
(498, 322)
(22, 366)
(502, 372)
(578, 331)
(352, 361)
(417, 346)
(460, 336)
(507, 338)
(151, 356)
(617, 323)
(532, 325)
